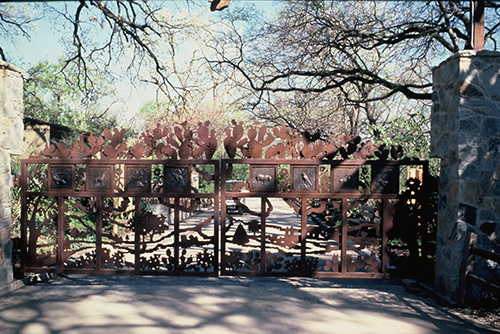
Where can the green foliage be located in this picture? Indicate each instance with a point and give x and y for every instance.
(411, 131)
(55, 93)
(206, 187)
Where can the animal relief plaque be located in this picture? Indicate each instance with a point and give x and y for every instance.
(345, 179)
(304, 178)
(385, 179)
(61, 177)
(138, 178)
(99, 178)
(263, 178)
(177, 178)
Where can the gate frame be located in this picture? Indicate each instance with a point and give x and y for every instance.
(303, 196)
(60, 194)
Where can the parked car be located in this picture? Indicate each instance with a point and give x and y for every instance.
(231, 206)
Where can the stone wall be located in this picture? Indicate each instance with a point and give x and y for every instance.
(11, 141)
(465, 134)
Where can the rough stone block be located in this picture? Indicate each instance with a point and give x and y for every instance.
(5, 211)
(466, 86)
(496, 173)
(441, 147)
(5, 195)
(6, 275)
(5, 230)
(493, 147)
(490, 126)
(7, 251)
(467, 213)
(485, 184)
(469, 170)
(470, 153)
(453, 190)
(487, 215)
(494, 90)
(495, 189)
(489, 165)
(469, 125)
(477, 102)
(18, 127)
(13, 109)
(470, 191)
(442, 201)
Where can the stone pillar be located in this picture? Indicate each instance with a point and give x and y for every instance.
(11, 143)
(465, 134)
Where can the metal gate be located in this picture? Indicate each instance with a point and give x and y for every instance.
(328, 225)
(100, 206)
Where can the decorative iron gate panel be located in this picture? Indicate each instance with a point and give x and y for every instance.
(115, 216)
(292, 205)
(320, 203)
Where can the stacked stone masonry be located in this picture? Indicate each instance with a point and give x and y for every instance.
(465, 134)
(11, 139)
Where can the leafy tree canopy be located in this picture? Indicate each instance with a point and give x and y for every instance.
(51, 93)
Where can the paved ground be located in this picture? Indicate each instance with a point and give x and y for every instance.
(132, 304)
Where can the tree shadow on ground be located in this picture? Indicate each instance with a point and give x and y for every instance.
(138, 304)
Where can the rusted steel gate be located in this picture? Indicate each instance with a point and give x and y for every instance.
(118, 217)
(334, 227)
(103, 215)
(303, 207)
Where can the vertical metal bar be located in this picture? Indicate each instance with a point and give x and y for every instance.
(343, 249)
(303, 235)
(426, 187)
(216, 219)
(138, 234)
(60, 234)
(176, 234)
(477, 21)
(98, 236)
(385, 228)
(263, 235)
(222, 213)
(24, 227)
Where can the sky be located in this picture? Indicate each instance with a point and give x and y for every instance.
(45, 44)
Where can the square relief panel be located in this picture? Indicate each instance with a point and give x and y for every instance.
(138, 178)
(61, 177)
(304, 178)
(385, 179)
(99, 177)
(345, 179)
(177, 178)
(263, 178)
